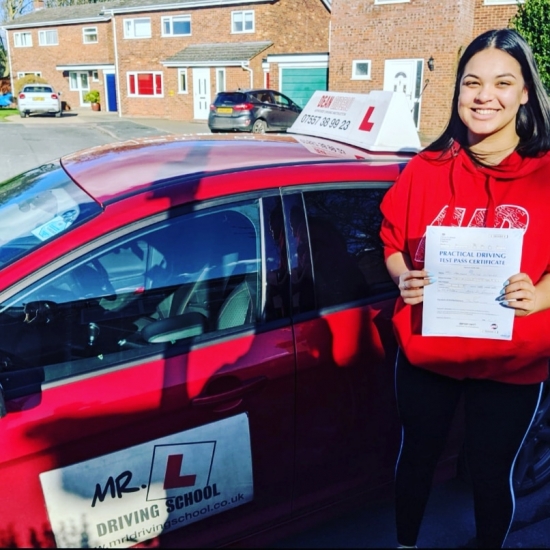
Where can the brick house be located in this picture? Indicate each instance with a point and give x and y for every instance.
(168, 59)
(386, 44)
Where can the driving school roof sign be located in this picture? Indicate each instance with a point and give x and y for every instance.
(377, 121)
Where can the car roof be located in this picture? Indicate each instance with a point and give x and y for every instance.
(111, 172)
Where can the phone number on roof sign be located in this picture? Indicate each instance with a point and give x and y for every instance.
(326, 121)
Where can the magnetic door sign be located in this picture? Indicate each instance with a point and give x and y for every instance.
(120, 499)
(377, 121)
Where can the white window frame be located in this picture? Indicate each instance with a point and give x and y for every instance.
(21, 74)
(391, 1)
(95, 75)
(501, 2)
(355, 76)
(17, 39)
(243, 14)
(87, 32)
(220, 80)
(154, 73)
(130, 28)
(170, 19)
(43, 40)
(183, 89)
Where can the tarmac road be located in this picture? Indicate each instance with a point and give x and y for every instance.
(34, 140)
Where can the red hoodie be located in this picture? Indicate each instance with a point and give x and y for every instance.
(453, 190)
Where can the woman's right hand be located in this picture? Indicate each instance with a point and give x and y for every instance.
(411, 285)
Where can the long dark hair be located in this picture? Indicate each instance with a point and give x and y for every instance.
(533, 118)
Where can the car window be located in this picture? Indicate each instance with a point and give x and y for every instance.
(38, 89)
(280, 99)
(262, 96)
(346, 252)
(176, 282)
(230, 98)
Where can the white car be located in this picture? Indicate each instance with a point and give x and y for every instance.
(38, 98)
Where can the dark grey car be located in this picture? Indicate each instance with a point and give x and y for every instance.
(256, 111)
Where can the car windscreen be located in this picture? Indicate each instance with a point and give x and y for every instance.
(38, 205)
(230, 98)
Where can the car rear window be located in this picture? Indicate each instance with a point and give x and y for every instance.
(38, 89)
(38, 205)
(230, 98)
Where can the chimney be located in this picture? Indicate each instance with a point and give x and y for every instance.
(38, 5)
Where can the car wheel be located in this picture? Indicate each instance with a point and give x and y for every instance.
(21, 114)
(532, 469)
(259, 127)
(58, 114)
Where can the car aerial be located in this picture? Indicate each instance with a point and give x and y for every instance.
(196, 342)
(256, 111)
(38, 98)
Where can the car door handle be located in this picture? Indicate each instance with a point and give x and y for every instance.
(248, 386)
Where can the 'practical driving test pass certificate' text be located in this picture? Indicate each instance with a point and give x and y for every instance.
(470, 265)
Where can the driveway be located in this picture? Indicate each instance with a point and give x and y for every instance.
(37, 139)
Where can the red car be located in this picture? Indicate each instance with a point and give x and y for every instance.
(195, 341)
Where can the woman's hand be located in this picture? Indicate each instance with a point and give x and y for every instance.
(412, 283)
(519, 293)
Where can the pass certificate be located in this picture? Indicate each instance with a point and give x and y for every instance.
(470, 265)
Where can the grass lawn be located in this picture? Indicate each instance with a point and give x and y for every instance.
(7, 112)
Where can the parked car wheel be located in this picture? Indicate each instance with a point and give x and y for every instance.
(259, 127)
(22, 114)
(58, 114)
(532, 468)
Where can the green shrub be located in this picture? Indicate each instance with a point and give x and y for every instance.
(92, 96)
(27, 79)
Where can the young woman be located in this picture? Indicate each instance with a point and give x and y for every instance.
(489, 168)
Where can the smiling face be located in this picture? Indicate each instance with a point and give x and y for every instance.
(491, 91)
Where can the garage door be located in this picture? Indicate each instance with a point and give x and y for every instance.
(300, 83)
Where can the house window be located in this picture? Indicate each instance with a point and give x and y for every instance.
(220, 80)
(176, 26)
(137, 28)
(89, 35)
(22, 74)
(501, 2)
(182, 81)
(391, 1)
(242, 21)
(48, 38)
(145, 84)
(95, 76)
(22, 39)
(360, 70)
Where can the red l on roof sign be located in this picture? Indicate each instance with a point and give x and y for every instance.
(377, 121)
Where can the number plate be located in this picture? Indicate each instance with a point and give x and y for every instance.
(38, 99)
(225, 110)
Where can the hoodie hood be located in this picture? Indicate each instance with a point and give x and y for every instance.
(511, 169)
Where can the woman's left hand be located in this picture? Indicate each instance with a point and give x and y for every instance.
(519, 293)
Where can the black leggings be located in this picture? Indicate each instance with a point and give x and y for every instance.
(497, 418)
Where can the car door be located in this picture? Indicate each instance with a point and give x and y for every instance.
(347, 429)
(147, 388)
(285, 111)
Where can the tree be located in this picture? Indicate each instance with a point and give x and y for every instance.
(532, 21)
(4, 67)
(61, 3)
(10, 9)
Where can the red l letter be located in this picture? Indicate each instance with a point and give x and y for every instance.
(173, 479)
(365, 125)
